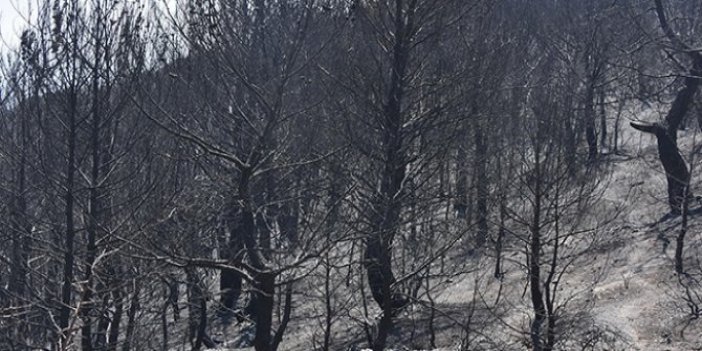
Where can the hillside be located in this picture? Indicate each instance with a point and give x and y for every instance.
(345, 174)
(625, 293)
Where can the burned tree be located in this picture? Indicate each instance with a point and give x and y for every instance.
(676, 170)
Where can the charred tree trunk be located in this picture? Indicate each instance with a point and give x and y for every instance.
(615, 137)
(197, 310)
(263, 280)
(676, 171)
(265, 292)
(19, 223)
(70, 230)
(537, 298)
(116, 317)
(287, 222)
(590, 133)
(603, 117)
(500, 237)
(333, 200)
(388, 203)
(230, 283)
(230, 286)
(680, 240)
(571, 137)
(386, 217)
(94, 208)
(194, 293)
(131, 317)
(329, 308)
(264, 234)
(481, 185)
(682, 103)
(287, 312)
(461, 203)
(551, 283)
(378, 262)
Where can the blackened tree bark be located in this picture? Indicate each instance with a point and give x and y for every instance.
(617, 120)
(571, 140)
(20, 225)
(595, 62)
(537, 296)
(230, 286)
(288, 217)
(244, 84)
(265, 292)
(542, 177)
(677, 173)
(94, 207)
(197, 310)
(501, 231)
(481, 183)
(18, 222)
(676, 170)
(590, 132)
(285, 319)
(461, 201)
(134, 306)
(601, 101)
(388, 203)
(680, 240)
(70, 229)
(397, 105)
(263, 280)
(230, 282)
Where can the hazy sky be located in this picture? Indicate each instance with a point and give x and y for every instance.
(11, 22)
(13, 17)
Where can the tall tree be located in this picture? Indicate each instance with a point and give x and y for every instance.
(244, 83)
(398, 96)
(677, 173)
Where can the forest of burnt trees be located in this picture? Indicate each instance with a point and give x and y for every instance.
(194, 174)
